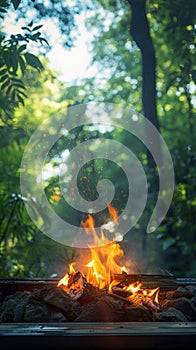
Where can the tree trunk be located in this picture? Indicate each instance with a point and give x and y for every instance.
(141, 35)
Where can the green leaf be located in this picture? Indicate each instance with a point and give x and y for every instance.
(3, 71)
(3, 78)
(3, 7)
(37, 27)
(4, 85)
(7, 58)
(22, 48)
(13, 96)
(22, 93)
(16, 3)
(21, 86)
(26, 28)
(17, 80)
(22, 64)
(33, 61)
(20, 99)
(14, 63)
(43, 39)
(9, 90)
(4, 3)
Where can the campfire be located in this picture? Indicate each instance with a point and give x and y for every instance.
(99, 288)
(104, 270)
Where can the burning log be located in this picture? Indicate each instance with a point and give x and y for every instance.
(104, 259)
(118, 290)
(148, 281)
(76, 285)
(79, 289)
(150, 303)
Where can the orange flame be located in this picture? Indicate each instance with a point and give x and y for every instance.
(104, 264)
(88, 223)
(89, 226)
(64, 281)
(113, 213)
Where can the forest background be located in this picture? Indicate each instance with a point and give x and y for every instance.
(142, 55)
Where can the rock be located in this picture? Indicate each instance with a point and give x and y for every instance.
(193, 302)
(105, 311)
(55, 297)
(23, 307)
(179, 293)
(186, 306)
(56, 316)
(36, 311)
(101, 311)
(75, 311)
(59, 300)
(192, 289)
(138, 314)
(13, 307)
(170, 315)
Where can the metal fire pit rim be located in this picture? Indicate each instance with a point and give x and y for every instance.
(84, 329)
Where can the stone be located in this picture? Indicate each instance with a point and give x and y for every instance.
(185, 305)
(13, 306)
(138, 314)
(179, 293)
(170, 315)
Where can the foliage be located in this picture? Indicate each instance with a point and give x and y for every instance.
(19, 70)
(24, 250)
(61, 13)
(14, 61)
(118, 79)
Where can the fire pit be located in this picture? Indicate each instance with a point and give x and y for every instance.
(38, 313)
(102, 305)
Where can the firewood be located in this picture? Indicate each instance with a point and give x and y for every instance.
(148, 281)
(150, 303)
(121, 292)
(116, 296)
